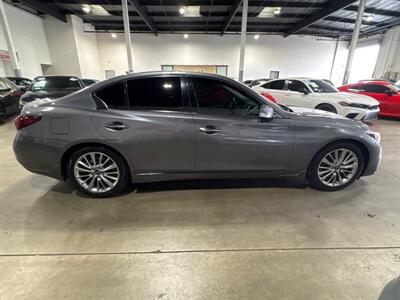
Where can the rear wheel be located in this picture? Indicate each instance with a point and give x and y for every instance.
(98, 171)
(336, 167)
(327, 107)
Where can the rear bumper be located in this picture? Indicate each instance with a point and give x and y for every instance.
(37, 157)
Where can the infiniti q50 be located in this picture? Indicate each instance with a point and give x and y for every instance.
(171, 126)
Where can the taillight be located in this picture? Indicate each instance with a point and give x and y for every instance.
(268, 96)
(23, 121)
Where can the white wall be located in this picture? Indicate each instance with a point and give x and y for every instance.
(30, 42)
(86, 44)
(62, 46)
(388, 63)
(292, 56)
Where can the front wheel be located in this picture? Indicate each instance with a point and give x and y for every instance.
(336, 167)
(327, 107)
(98, 171)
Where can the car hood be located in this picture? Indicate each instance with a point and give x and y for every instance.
(31, 96)
(315, 112)
(350, 97)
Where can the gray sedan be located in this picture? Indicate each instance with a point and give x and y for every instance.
(171, 126)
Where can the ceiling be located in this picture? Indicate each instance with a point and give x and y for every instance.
(328, 18)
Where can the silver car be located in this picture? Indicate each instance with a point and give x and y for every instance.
(171, 126)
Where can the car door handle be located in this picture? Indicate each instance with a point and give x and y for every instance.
(209, 129)
(116, 126)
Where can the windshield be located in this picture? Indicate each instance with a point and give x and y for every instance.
(320, 86)
(55, 84)
(395, 87)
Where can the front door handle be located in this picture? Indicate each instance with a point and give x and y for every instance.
(209, 129)
(116, 126)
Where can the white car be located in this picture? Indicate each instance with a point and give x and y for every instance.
(316, 93)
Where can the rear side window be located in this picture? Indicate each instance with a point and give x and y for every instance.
(275, 85)
(155, 93)
(296, 86)
(374, 88)
(113, 96)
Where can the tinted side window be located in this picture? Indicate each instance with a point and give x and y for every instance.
(355, 88)
(374, 88)
(296, 86)
(215, 97)
(113, 96)
(158, 93)
(275, 85)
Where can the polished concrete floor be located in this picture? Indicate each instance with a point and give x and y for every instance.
(251, 239)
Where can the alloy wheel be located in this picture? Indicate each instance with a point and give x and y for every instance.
(337, 167)
(96, 172)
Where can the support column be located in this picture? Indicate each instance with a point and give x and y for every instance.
(354, 40)
(10, 45)
(243, 39)
(127, 32)
(334, 58)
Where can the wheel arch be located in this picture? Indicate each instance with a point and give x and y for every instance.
(68, 153)
(361, 145)
(326, 103)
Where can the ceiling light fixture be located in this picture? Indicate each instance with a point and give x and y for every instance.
(182, 10)
(368, 17)
(86, 8)
(185, 36)
(277, 11)
(257, 36)
(114, 35)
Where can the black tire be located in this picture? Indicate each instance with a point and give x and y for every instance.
(327, 107)
(124, 173)
(312, 173)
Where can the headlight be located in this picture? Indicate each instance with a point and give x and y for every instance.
(351, 104)
(375, 135)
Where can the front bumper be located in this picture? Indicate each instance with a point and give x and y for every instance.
(362, 114)
(375, 155)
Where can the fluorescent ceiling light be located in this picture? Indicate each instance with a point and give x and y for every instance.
(95, 10)
(257, 36)
(368, 17)
(86, 8)
(269, 12)
(185, 36)
(114, 35)
(190, 11)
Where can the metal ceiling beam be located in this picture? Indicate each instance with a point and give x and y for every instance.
(143, 13)
(232, 12)
(375, 11)
(322, 13)
(349, 21)
(45, 8)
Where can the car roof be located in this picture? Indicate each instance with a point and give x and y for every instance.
(56, 76)
(378, 82)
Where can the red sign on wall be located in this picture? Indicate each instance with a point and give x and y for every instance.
(5, 55)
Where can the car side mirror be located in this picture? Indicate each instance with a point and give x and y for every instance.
(389, 92)
(305, 91)
(266, 112)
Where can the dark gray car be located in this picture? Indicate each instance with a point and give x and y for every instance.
(167, 126)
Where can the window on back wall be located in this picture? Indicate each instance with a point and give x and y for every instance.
(222, 70)
(167, 67)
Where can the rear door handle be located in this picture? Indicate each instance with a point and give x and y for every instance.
(209, 129)
(116, 126)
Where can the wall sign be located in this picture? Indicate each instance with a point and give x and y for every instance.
(5, 55)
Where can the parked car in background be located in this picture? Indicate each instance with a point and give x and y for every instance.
(386, 93)
(318, 94)
(21, 82)
(207, 126)
(255, 82)
(88, 82)
(51, 87)
(9, 99)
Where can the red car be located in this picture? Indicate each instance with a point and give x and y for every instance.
(388, 95)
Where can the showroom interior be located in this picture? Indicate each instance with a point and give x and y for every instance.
(212, 236)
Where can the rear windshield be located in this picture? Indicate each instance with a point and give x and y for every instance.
(56, 84)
